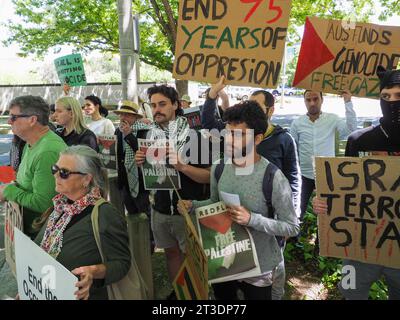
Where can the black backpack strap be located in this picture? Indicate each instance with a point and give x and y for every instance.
(219, 168)
(267, 187)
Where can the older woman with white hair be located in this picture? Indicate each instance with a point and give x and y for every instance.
(66, 230)
(68, 114)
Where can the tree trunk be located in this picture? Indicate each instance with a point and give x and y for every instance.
(126, 45)
(182, 87)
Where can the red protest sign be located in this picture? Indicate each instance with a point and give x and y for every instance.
(7, 174)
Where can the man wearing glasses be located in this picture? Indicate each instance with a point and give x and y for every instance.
(35, 185)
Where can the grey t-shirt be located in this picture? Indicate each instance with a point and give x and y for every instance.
(262, 228)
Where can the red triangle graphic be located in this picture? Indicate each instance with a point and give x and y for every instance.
(313, 54)
(220, 223)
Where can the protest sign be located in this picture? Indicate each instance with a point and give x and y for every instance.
(192, 116)
(108, 151)
(157, 174)
(7, 174)
(363, 219)
(243, 40)
(228, 246)
(334, 57)
(39, 276)
(191, 282)
(13, 219)
(70, 70)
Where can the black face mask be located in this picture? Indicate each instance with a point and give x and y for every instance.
(391, 117)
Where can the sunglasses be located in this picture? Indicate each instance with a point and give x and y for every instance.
(14, 117)
(64, 173)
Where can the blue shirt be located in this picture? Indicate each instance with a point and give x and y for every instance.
(318, 138)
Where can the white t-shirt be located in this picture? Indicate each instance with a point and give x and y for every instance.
(102, 127)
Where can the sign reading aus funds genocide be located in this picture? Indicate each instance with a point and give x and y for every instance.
(13, 219)
(157, 174)
(335, 57)
(242, 40)
(39, 276)
(108, 151)
(363, 219)
(191, 282)
(70, 70)
(229, 246)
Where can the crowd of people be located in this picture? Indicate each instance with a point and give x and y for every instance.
(60, 179)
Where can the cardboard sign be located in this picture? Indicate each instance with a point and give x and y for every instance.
(243, 40)
(70, 70)
(363, 220)
(108, 151)
(13, 219)
(39, 276)
(334, 57)
(229, 247)
(191, 282)
(193, 117)
(157, 175)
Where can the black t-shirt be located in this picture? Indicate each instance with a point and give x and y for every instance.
(371, 141)
(190, 190)
(87, 138)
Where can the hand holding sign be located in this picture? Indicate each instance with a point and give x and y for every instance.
(319, 206)
(184, 206)
(239, 214)
(86, 274)
(140, 157)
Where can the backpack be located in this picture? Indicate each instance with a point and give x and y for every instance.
(267, 187)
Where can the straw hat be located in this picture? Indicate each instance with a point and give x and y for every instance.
(186, 98)
(126, 106)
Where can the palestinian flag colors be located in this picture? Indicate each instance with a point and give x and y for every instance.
(228, 246)
(338, 55)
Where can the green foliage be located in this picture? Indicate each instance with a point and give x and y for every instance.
(89, 25)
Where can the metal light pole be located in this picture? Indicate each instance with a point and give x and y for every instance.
(138, 224)
(127, 51)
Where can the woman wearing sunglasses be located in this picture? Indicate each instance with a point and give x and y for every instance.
(68, 114)
(66, 230)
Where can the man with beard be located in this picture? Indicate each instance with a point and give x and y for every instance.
(167, 225)
(315, 134)
(244, 175)
(381, 139)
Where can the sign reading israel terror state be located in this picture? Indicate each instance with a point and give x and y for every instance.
(363, 220)
(334, 57)
(243, 40)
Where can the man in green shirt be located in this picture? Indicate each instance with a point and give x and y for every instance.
(35, 184)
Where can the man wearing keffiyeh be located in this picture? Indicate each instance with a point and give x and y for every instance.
(136, 199)
(167, 224)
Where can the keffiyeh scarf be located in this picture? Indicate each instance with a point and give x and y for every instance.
(177, 133)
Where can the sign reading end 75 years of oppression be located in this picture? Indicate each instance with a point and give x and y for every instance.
(243, 40)
(40, 276)
(70, 70)
(334, 57)
(363, 220)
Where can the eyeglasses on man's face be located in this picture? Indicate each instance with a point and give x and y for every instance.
(14, 117)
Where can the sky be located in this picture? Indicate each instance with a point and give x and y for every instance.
(10, 63)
